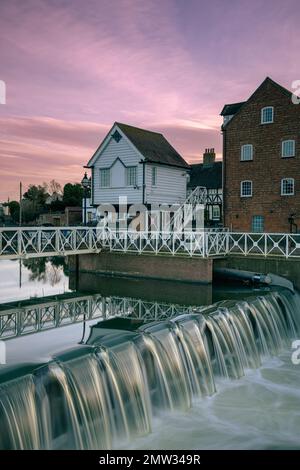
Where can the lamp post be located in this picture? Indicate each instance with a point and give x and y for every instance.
(85, 182)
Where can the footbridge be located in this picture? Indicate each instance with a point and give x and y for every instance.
(37, 315)
(30, 242)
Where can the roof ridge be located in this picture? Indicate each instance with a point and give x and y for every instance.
(252, 96)
(278, 85)
(138, 128)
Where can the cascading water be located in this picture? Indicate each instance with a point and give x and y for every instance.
(92, 397)
(19, 415)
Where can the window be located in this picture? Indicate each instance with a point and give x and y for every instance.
(288, 148)
(287, 187)
(246, 188)
(105, 177)
(117, 136)
(154, 175)
(267, 115)
(246, 152)
(258, 223)
(216, 212)
(131, 176)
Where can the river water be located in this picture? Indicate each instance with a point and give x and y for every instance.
(258, 411)
(253, 408)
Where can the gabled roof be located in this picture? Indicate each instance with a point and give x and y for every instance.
(209, 176)
(230, 109)
(240, 105)
(151, 145)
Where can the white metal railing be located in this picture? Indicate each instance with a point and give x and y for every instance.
(285, 245)
(36, 241)
(48, 314)
(200, 243)
(47, 241)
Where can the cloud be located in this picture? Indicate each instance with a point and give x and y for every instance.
(46, 129)
(72, 68)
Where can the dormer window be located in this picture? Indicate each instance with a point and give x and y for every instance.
(267, 115)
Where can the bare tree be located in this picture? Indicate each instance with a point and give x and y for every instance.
(54, 187)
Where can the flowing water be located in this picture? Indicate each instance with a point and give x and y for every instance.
(205, 379)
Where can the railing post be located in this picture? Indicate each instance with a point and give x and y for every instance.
(266, 245)
(39, 241)
(226, 243)
(74, 239)
(90, 238)
(57, 241)
(205, 244)
(19, 242)
(286, 246)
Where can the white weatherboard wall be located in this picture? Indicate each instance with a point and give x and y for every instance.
(170, 186)
(117, 156)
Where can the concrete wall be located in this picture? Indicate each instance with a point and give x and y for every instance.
(287, 268)
(185, 269)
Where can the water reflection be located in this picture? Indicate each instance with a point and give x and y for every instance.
(36, 277)
(46, 270)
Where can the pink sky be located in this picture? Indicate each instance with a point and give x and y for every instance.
(72, 68)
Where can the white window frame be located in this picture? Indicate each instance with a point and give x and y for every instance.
(251, 186)
(154, 176)
(263, 223)
(244, 149)
(215, 216)
(131, 179)
(282, 187)
(262, 115)
(106, 178)
(288, 141)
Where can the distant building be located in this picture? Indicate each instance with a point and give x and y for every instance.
(261, 157)
(139, 164)
(70, 216)
(54, 197)
(209, 175)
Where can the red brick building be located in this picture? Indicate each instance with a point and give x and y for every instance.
(261, 157)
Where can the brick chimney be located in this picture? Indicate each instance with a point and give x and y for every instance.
(209, 157)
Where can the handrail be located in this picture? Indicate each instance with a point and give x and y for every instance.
(51, 241)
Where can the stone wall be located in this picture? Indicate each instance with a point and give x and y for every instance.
(174, 268)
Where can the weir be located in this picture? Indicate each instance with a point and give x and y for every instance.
(95, 395)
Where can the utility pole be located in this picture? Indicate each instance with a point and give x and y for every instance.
(20, 204)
